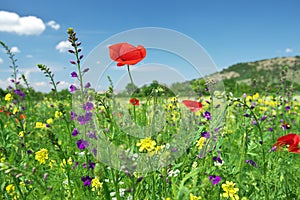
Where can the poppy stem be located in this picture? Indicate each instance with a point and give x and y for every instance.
(128, 69)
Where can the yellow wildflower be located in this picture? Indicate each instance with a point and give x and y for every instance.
(40, 125)
(230, 190)
(8, 97)
(10, 189)
(255, 96)
(96, 185)
(22, 184)
(57, 114)
(21, 134)
(193, 197)
(42, 155)
(15, 110)
(49, 121)
(201, 142)
(146, 144)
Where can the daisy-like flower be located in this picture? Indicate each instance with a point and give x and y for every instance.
(230, 190)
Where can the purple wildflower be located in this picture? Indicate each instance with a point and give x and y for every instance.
(88, 106)
(263, 118)
(91, 165)
(19, 92)
(254, 122)
(73, 115)
(218, 158)
(86, 180)
(72, 88)
(74, 74)
(92, 135)
(82, 144)
(84, 119)
(214, 179)
(287, 108)
(251, 162)
(205, 134)
(207, 115)
(87, 85)
(75, 132)
(94, 151)
(72, 62)
(271, 129)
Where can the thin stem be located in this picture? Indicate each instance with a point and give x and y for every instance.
(128, 69)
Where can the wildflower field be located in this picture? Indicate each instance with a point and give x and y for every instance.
(86, 145)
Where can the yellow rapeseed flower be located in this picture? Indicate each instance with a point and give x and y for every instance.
(8, 97)
(42, 155)
(230, 190)
(146, 144)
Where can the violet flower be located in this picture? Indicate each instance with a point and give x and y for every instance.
(82, 144)
(214, 179)
(86, 180)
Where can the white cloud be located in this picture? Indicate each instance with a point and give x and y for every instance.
(288, 50)
(15, 50)
(63, 46)
(28, 25)
(1, 60)
(53, 25)
(29, 56)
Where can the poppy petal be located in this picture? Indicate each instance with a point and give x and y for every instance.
(194, 106)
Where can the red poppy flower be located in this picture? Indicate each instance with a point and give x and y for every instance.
(292, 140)
(194, 106)
(135, 101)
(126, 54)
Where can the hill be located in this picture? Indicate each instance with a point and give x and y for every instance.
(268, 75)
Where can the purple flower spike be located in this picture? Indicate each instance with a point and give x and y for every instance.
(74, 74)
(72, 62)
(86, 180)
(214, 179)
(82, 144)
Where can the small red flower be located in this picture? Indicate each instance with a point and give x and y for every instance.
(126, 54)
(194, 106)
(135, 101)
(292, 140)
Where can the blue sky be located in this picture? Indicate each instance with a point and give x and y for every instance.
(230, 31)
